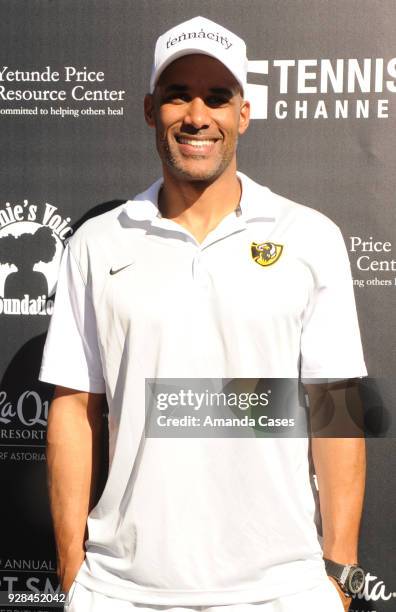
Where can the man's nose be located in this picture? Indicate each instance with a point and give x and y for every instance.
(197, 114)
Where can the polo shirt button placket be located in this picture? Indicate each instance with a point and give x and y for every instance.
(199, 273)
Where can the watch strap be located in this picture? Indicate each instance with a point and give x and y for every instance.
(338, 570)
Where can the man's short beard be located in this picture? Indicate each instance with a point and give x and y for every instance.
(183, 174)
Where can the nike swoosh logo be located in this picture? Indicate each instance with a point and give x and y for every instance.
(116, 270)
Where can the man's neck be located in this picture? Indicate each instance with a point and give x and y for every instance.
(197, 206)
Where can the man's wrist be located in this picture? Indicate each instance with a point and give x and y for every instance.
(349, 577)
(70, 560)
(340, 549)
(68, 570)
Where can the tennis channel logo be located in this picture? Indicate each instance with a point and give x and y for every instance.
(321, 88)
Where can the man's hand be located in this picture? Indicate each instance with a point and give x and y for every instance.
(346, 601)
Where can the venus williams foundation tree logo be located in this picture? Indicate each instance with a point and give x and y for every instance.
(31, 247)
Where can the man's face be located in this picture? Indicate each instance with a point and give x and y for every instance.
(198, 113)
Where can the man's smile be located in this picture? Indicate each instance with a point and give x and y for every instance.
(189, 144)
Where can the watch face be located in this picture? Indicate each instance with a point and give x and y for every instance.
(356, 580)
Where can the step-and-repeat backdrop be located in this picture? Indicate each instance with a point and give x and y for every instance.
(74, 143)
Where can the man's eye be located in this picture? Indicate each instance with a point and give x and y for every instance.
(216, 100)
(177, 98)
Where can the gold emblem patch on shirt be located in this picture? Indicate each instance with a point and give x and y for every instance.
(266, 253)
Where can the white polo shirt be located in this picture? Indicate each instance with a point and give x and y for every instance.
(202, 521)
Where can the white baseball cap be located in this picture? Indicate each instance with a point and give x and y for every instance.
(200, 35)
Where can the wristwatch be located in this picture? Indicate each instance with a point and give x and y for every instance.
(351, 578)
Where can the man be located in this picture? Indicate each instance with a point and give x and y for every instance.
(206, 275)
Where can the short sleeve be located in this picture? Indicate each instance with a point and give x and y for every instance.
(71, 355)
(331, 345)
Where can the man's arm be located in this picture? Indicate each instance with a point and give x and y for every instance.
(74, 436)
(340, 466)
(340, 470)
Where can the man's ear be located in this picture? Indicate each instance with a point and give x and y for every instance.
(244, 116)
(149, 110)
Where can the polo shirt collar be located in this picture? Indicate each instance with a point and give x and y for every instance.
(256, 203)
